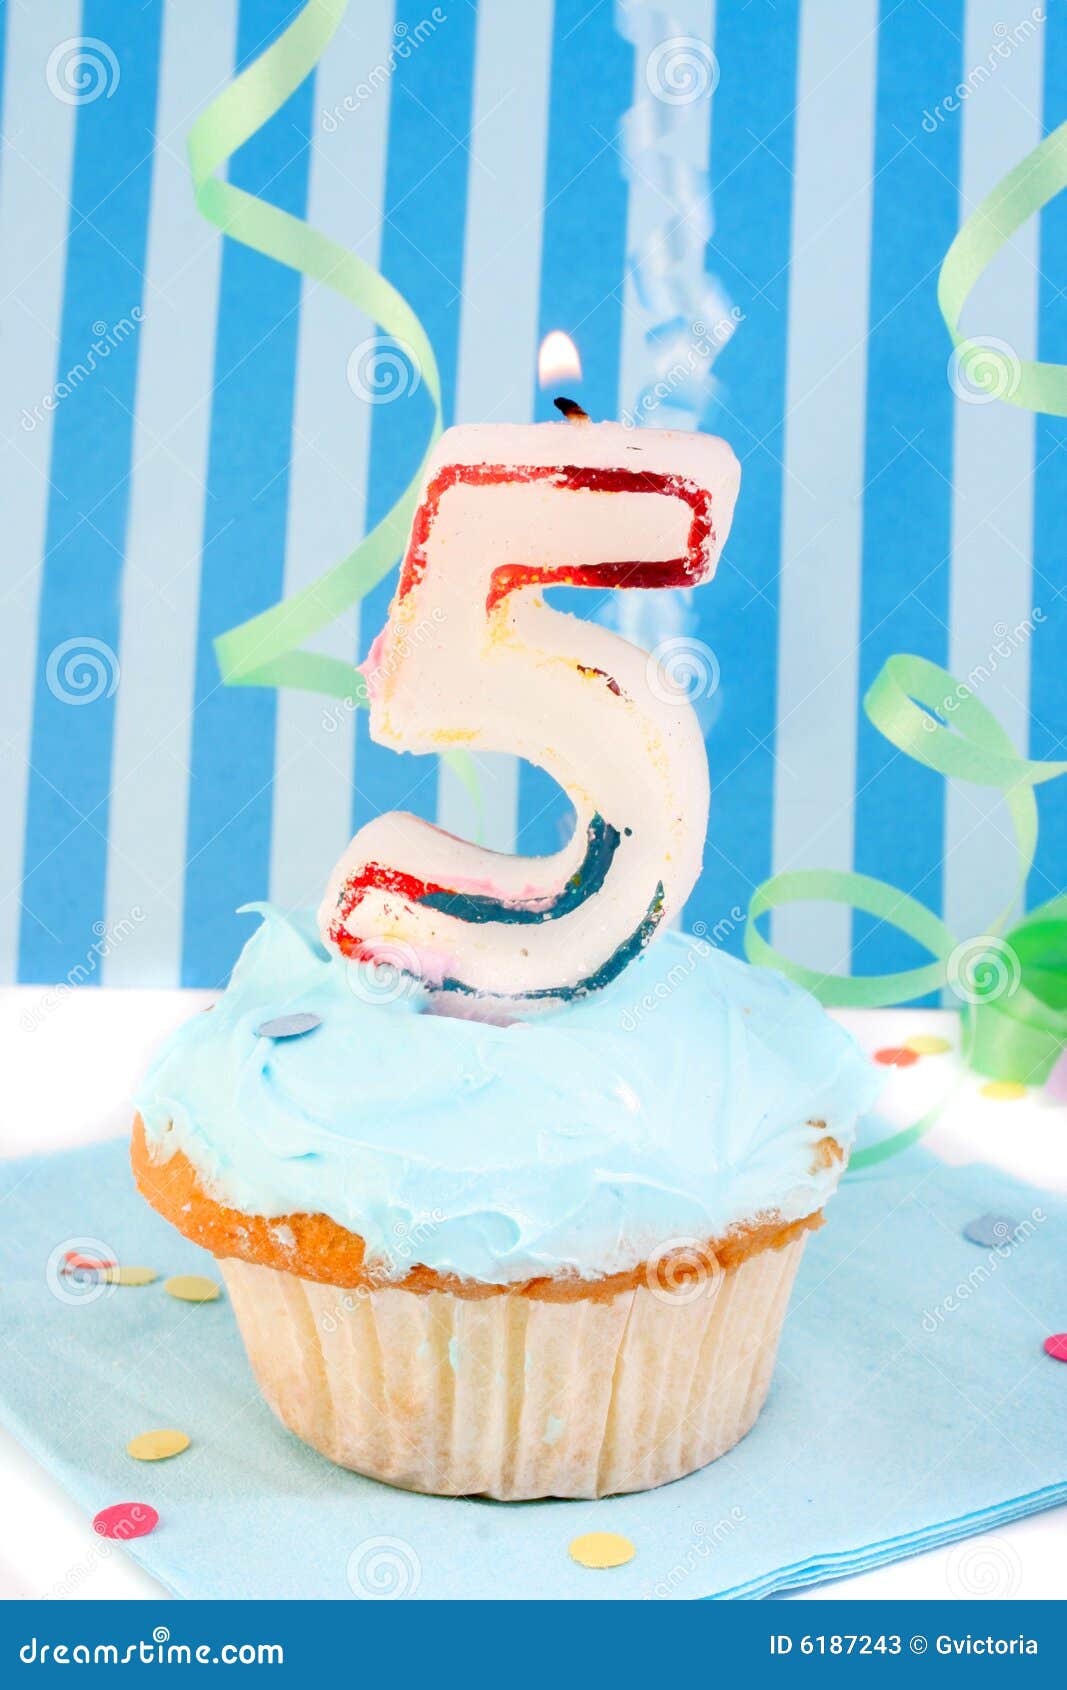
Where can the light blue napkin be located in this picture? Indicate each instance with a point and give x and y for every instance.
(913, 1404)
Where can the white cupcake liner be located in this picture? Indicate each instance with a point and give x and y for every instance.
(511, 1397)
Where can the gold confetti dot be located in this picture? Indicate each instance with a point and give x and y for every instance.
(1003, 1091)
(130, 1276)
(192, 1288)
(157, 1446)
(928, 1044)
(602, 1549)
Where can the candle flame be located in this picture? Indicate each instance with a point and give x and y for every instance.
(558, 360)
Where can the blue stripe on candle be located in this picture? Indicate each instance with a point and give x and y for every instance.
(422, 255)
(751, 165)
(67, 807)
(582, 267)
(244, 535)
(907, 507)
(1048, 695)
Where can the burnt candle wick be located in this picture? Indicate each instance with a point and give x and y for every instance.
(571, 410)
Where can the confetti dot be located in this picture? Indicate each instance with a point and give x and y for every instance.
(124, 1520)
(896, 1056)
(191, 1288)
(927, 1044)
(1056, 1346)
(289, 1026)
(991, 1230)
(1003, 1091)
(602, 1549)
(157, 1446)
(131, 1276)
(74, 1262)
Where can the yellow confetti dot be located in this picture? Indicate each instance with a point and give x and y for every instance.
(192, 1288)
(602, 1549)
(130, 1276)
(927, 1044)
(157, 1446)
(1003, 1091)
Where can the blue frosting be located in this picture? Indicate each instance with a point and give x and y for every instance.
(674, 1104)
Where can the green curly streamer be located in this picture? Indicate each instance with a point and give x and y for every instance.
(1017, 1036)
(1020, 1035)
(265, 651)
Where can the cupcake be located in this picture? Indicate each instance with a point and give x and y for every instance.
(509, 1179)
(545, 1259)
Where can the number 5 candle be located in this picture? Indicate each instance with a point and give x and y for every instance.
(472, 657)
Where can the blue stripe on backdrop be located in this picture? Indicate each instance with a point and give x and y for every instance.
(751, 165)
(583, 263)
(244, 536)
(422, 255)
(907, 506)
(67, 808)
(1048, 691)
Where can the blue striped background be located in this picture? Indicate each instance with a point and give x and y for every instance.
(86, 206)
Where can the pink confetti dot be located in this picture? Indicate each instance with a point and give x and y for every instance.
(125, 1520)
(896, 1056)
(1056, 1346)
